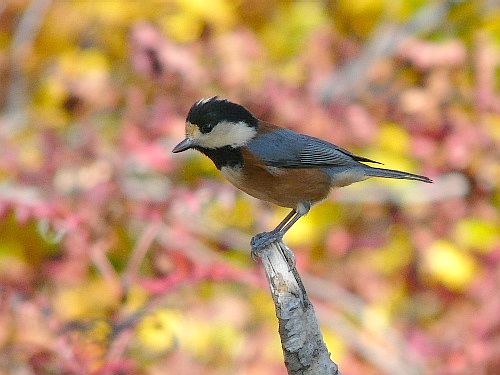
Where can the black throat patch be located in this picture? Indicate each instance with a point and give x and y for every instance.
(226, 156)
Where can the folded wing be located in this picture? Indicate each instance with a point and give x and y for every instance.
(285, 148)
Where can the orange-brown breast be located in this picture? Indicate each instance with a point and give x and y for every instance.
(281, 186)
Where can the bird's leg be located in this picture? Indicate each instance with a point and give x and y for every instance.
(285, 220)
(263, 240)
(289, 224)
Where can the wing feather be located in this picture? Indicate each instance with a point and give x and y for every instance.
(287, 149)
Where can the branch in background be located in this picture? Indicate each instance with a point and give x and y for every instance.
(303, 347)
(385, 349)
(380, 356)
(139, 253)
(346, 82)
(99, 258)
(23, 40)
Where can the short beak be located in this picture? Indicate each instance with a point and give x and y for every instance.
(184, 145)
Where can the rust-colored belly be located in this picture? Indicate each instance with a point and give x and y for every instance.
(284, 187)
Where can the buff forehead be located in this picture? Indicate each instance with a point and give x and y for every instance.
(192, 131)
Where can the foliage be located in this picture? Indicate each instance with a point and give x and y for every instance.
(118, 257)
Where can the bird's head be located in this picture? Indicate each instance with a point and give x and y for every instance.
(215, 123)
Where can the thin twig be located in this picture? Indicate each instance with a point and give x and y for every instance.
(22, 44)
(356, 337)
(119, 346)
(139, 252)
(102, 263)
(381, 357)
(386, 40)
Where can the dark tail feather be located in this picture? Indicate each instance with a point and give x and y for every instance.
(390, 173)
(366, 160)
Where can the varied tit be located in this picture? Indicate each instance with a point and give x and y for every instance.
(274, 164)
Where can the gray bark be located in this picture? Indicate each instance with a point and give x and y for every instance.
(304, 350)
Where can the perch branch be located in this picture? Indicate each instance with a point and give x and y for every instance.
(303, 347)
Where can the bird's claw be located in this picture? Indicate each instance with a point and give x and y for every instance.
(262, 240)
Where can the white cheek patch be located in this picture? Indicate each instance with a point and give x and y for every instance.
(226, 133)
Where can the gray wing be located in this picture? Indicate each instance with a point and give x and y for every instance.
(286, 149)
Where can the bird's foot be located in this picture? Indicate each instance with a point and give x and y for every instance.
(262, 240)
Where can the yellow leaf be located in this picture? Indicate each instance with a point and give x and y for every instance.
(136, 298)
(358, 17)
(376, 317)
(263, 308)
(312, 227)
(187, 21)
(157, 332)
(450, 266)
(90, 300)
(220, 13)
(334, 344)
(211, 341)
(100, 331)
(237, 214)
(492, 123)
(182, 27)
(80, 63)
(477, 234)
(395, 255)
(291, 26)
(302, 232)
(394, 139)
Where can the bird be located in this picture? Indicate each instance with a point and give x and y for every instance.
(273, 163)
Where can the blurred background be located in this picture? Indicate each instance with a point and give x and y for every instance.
(118, 257)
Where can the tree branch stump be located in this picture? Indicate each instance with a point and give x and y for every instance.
(304, 350)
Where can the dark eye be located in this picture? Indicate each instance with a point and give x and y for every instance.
(205, 128)
(208, 121)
